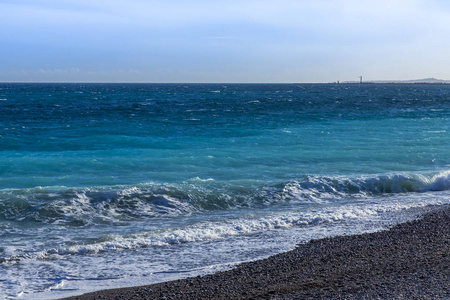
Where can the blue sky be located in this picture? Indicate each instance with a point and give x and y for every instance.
(223, 41)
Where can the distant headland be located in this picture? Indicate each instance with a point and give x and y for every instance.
(414, 81)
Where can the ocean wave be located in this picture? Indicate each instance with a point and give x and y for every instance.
(318, 189)
(90, 206)
(247, 224)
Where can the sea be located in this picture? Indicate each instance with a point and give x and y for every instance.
(114, 185)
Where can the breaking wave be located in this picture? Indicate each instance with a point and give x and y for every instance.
(220, 228)
(89, 206)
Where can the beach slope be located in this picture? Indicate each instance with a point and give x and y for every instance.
(409, 261)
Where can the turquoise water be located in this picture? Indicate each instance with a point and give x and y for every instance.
(106, 185)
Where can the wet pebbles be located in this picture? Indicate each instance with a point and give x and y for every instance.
(409, 261)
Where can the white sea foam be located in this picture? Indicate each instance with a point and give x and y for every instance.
(121, 204)
(250, 223)
(91, 227)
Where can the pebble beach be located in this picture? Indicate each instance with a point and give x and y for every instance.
(409, 261)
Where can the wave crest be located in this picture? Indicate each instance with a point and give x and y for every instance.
(89, 206)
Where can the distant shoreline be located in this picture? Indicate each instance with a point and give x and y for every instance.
(406, 82)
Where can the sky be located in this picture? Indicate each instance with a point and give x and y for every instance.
(229, 41)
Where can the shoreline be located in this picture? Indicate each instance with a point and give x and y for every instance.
(408, 261)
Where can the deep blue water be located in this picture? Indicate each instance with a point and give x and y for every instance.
(174, 180)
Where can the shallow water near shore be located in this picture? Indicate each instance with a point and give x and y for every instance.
(109, 185)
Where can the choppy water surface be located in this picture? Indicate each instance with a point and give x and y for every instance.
(107, 185)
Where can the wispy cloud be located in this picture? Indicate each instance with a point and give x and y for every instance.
(298, 40)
